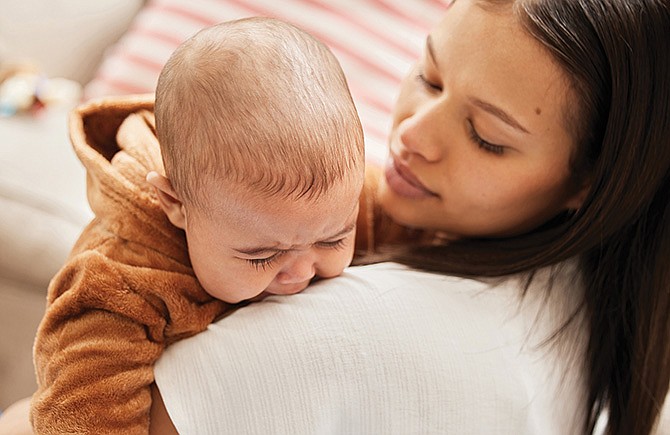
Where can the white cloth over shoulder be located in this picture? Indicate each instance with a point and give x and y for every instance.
(384, 349)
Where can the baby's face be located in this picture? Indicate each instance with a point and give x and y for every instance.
(252, 246)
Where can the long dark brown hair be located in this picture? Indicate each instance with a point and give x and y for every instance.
(617, 55)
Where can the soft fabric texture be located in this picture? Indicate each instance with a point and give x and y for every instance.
(388, 350)
(127, 290)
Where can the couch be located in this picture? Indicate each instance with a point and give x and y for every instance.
(114, 47)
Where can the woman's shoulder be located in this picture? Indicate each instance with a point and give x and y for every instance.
(381, 349)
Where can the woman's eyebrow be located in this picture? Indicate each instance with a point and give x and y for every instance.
(431, 50)
(499, 113)
(487, 107)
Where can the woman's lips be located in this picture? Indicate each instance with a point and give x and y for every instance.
(401, 180)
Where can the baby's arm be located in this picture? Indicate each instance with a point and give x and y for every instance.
(106, 325)
(94, 371)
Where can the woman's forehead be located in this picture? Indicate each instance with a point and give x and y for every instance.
(491, 58)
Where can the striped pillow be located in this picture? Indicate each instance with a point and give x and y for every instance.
(376, 41)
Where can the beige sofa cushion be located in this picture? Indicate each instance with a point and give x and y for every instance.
(65, 38)
(42, 196)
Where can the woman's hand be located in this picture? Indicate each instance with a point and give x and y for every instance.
(16, 419)
(160, 422)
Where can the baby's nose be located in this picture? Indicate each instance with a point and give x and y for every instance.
(300, 270)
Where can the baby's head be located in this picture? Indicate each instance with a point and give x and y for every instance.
(263, 155)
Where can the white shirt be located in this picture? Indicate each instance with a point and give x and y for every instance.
(384, 349)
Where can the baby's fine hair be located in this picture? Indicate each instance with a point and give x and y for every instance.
(260, 103)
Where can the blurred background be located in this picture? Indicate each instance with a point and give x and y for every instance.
(48, 51)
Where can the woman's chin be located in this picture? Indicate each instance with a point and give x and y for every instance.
(395, 206)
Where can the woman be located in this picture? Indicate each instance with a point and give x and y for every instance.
(530, 134)
(533, 135)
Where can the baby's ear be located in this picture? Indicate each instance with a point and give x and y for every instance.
(168, 199)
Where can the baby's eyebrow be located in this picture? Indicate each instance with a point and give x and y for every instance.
(257, 250)
(346, 230)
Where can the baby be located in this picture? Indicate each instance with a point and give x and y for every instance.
(261, 164)
(264, 159)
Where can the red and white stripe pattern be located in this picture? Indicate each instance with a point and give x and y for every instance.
(376, 42)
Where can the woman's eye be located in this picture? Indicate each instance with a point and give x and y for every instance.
(486, 146)
(430, 86)
(263, 263)
(336, 244)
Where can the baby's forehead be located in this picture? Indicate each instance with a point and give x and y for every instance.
(267, 188)
(249, 219)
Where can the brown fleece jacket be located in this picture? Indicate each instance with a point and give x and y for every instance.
(127, 290)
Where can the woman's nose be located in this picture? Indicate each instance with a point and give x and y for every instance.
(297, 270)
(421, 132)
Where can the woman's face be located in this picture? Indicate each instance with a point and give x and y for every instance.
(479, 144)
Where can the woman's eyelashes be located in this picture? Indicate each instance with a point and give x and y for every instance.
(474, 136)
(486, 146)
(430, 86)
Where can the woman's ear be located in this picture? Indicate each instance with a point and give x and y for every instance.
(577, 199)
(168, 199)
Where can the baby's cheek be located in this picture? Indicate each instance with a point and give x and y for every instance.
(349, 257)
(234, 287)
(337, 262)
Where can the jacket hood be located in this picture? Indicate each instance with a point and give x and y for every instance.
(115, 139)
